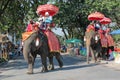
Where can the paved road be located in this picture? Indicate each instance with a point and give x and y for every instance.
(74, 68)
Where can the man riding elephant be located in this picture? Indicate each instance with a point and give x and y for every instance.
(41, 42)
(52, 39)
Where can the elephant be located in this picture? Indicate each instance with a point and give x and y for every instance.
(92, 45)
(96, 46)
(37, 43)
(7, 47)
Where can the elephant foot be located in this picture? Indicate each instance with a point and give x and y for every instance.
(88, 62)
(29, 72)
(50, 67)
(44, 70)
(61, 65)
(93, 61)
(98, 60)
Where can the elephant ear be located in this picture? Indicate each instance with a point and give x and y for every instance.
(37, 42)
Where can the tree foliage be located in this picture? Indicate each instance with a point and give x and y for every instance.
(14, 14)
(73, 14)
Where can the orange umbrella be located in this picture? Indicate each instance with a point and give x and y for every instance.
(105, 20)
(95, 16)
(51, 9)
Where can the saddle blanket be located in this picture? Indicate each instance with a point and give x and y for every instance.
(53, 41)
(26, 35)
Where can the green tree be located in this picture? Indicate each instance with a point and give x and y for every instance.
(14, 14)
(73, 14)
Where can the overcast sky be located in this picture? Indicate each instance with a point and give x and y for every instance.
(59, 32)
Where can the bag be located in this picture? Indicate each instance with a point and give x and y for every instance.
(111, 56)
(114, 54)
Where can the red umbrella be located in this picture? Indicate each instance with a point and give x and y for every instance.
(51, 9)
(95, 16)
(105, 20)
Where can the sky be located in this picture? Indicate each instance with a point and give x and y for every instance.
(59, 32)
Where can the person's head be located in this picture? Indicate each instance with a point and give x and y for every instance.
(46, 14)
(31, 21)
(40, 15)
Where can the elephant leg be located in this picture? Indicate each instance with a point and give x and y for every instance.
(97, 56)
(44, 63)
(51, 64)
(5, 56)
(58, 57)
(100, 56)
(31, 60)
(93, 55)
(88, 51)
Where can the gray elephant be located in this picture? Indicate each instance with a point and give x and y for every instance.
(37, 43)
(93, 46)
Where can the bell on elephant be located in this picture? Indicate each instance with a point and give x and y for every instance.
(37, 42)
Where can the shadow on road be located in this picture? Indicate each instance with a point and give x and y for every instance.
(69, 60)
(69, 63)
(78, 66)
(6, 76)
(69, 68)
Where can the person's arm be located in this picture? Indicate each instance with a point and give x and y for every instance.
(50, 17)
(44, 18)
(27, 27)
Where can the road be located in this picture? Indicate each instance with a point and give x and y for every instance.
(75, 68)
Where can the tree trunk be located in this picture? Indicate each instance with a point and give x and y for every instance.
(64, 33)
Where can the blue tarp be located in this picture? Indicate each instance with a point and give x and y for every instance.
(115, 32)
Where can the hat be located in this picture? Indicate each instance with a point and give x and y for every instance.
(46, 13)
